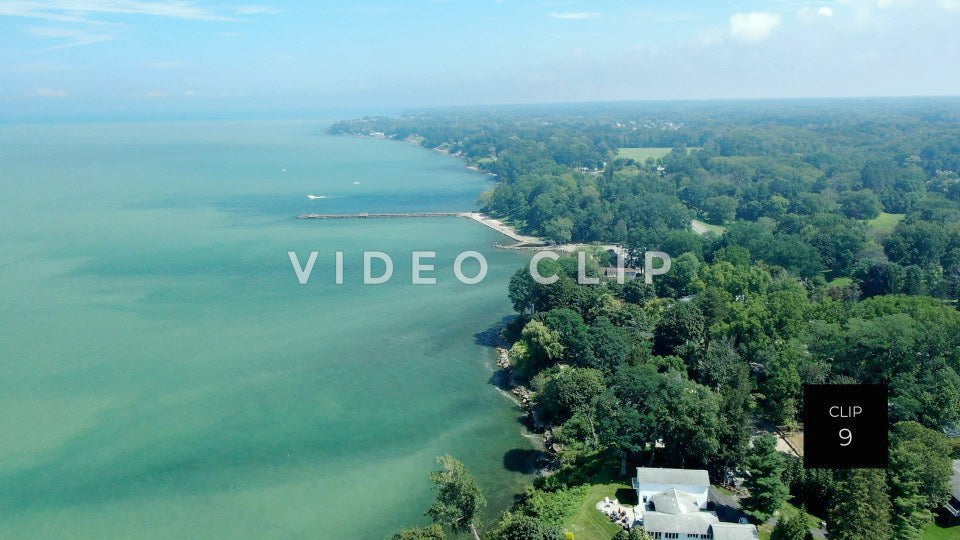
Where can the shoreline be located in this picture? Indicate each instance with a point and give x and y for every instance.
(523, 241)
(503, 380)
(504, 229)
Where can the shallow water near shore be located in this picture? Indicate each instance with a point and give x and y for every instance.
(162, 372)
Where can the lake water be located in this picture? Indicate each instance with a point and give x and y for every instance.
(162, 372)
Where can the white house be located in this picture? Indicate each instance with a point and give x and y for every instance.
(673, 505)
(651, 481)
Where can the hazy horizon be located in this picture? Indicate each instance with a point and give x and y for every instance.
(134, 57)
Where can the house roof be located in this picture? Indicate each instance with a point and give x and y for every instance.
(679, 477)
(674, 502)
(734, 531)
(693, 523)
(955, 481)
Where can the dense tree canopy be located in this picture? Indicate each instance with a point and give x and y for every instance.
(837, 259)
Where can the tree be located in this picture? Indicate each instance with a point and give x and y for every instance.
(782, 385)
(523, 527)
(459, 498)
(811, 488)
(734, 419)
(765, 466)
(721, 208)
(625, 430)
(637, 292)
(860, 507)
(431, 532)
(733, 254)
(689, 420)
(921, 243)
(839, 240)
(522, 291)
(718, 365)
(537, 348)
(559, 230)
(680, 280)
(611, 347)
(919, 474)
(863, 204)
(791, 528)
(570, 391)
(880, 175)
(645, 406)
(681, 323)
(574, 335)
(635, 533)
(879, 277)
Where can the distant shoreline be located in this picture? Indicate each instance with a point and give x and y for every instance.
(502, 227)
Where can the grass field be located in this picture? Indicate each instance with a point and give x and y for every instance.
(786, 511)
(589, 524)
(936, 532)
(884, 223)
(839, 282)
(641, 154)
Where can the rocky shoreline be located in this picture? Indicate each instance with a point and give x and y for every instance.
(523, 397)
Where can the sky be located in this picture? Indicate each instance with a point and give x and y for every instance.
(117, 56)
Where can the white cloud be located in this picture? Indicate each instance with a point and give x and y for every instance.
(753, 26)
(808, 14)
(256, 10)
(82, 10)
(946, 5)
(69, 37)
(574, 15)
(50, 93)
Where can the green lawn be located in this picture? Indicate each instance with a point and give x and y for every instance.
(839, 282)
(786, 511)
(641, 154)
(587, 523)
(884, 223)
(936, 532)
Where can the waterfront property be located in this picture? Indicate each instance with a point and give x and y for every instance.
(673, 504)
(653, 480)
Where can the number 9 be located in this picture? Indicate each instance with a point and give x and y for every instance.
(847, 436)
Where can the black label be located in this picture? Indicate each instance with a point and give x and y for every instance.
(845, 426)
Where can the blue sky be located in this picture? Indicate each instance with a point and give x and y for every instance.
(129, 55)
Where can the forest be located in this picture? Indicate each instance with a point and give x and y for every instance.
(830, 254)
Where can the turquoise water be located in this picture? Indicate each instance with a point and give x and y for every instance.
(163, 373)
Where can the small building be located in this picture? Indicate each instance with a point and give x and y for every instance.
(953, 505)
(629, 274)
(653, 480)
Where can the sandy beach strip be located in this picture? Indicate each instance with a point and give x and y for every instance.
(502, 228)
